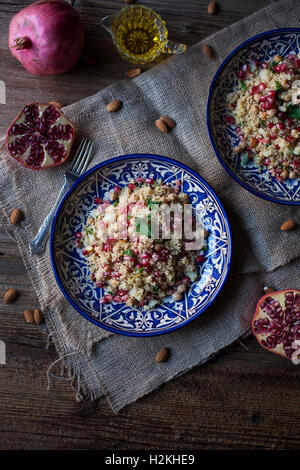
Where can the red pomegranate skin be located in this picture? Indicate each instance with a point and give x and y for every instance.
(55, 33)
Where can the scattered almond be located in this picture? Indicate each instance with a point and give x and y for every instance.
(168, 121)
(10, 296)
(38, 316)
(16, 216)
(57, 104)
(132, 73)
(28, 314)
(208, 51)
(161, 126)
(163, 355)
(288, 225)
(212, 7)
(114, 106)
(268, 289)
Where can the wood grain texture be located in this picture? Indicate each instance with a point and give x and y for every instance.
(245, 398)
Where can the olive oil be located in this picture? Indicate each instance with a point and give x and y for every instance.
(139, 34)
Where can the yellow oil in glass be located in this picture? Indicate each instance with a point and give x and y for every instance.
(139, 34)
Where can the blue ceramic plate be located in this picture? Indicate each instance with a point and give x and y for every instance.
(71, 270)
(223, 137)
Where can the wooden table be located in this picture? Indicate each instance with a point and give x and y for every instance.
(245, 398)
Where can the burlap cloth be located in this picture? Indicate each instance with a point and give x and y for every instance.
(122, 368)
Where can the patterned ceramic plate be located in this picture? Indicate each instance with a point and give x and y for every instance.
(223, 137)
(72, 272)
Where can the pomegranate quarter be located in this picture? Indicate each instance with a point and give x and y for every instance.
(40, 137)
(276, 322)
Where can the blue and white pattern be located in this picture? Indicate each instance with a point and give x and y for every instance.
(72, 272)
(223, 137)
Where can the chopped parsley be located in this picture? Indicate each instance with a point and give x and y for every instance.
(262, 122)
(243, 86)
(151, 203)
(129, 253)
(278, 86)
(274, 63)
(116, 201)
(293, 111)
(89, 230)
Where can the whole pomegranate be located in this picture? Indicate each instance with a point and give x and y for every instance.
(46, 37)
(276, 322)
(41, 136)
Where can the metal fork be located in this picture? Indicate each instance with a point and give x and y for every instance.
(78, 166)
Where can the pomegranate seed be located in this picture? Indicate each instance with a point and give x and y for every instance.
(290, 121)
(261, 86)
(85, 252)
(254, 90)
(263, 105)
(271, 93)
(270, 125)
(263, 65)
(99, 284)
(142, 303)
(97, 200)
(262, 99)
(277, 68)
(284, 67)
(241, 74)
(269, 106)
(238, 129)
(131, 186)
(200, 259)
(273, 136)
(106, 247)
(138, 266)
(78, 235)
(297, 63)
(277, 147)
(281, 116)
(149, 180)
(117, 189)
(140, 179)
(156, 273)
(280, 126)
(186, 280)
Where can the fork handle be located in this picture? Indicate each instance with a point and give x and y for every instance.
(38, 244)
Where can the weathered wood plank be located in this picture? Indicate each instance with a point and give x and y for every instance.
(224, 404)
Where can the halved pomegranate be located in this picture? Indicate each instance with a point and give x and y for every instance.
(276, 322)
(41, 136)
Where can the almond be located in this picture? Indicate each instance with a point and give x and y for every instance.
(114, 106)
(28, 314)
(168, 121)
(16, 216)
(10, 296)
(133, 72)
(212, 8)
(208, 51)
(38, 316)
(288, 225)
(161, 126)
(57, 104)
(163, 355)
